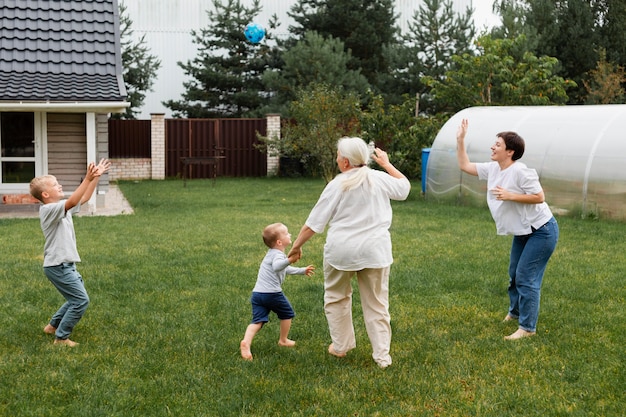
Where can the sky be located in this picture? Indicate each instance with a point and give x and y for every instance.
(483, 15)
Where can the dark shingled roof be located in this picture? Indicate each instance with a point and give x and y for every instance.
(60, 50)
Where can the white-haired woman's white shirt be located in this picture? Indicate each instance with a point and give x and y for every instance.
(358, 220)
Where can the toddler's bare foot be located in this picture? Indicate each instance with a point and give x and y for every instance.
(520, 333)
(65, 342)
(49, 329)
(245, 350)
(287, 343)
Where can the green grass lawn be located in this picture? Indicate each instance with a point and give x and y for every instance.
(170, 284)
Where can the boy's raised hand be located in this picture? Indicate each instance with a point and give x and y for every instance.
(309, 270)
(103, 166)
(92, 172)
(95, 171)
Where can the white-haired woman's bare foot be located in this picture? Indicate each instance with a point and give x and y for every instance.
(332, 351)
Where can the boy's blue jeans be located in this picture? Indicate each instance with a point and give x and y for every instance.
(529, 258)
(70, 284)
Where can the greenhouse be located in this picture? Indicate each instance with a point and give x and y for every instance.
(579, 153)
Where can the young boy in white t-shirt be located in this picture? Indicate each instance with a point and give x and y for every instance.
(60, 253)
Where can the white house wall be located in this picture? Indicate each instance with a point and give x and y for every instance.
(167, 26)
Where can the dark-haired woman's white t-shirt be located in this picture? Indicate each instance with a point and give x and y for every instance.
(514, 218)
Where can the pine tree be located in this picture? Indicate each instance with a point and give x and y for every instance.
(226, 75)
(611, 18)
(576, 44)
(513, 15)
(365, 27)
(436, 33)
(312, 60)
(139, 67)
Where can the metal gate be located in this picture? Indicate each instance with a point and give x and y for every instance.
(234, 139)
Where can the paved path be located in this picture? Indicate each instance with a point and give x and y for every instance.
(114, 204)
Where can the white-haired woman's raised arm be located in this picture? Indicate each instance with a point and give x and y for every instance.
(381, 158)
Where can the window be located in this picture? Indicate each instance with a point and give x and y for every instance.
(17, 140)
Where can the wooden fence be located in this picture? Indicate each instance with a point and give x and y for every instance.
(129, 138)
(235, 139)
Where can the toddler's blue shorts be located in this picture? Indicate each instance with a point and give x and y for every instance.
(263, 303)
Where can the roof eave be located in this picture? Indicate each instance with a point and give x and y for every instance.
(66, 106)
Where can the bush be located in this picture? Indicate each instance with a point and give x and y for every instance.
(401, 133)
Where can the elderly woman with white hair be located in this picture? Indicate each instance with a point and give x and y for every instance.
(356, 206)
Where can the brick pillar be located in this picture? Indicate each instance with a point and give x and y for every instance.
(273, 132)
(157, 132)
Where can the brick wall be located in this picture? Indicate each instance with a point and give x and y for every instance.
(130, 169)
(19, 199)
(158, 146)
(273, 131)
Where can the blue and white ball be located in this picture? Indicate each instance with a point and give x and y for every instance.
(254, 32)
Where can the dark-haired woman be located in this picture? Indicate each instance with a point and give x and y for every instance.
(517, 204)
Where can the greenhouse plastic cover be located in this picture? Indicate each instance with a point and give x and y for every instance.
(579, 153)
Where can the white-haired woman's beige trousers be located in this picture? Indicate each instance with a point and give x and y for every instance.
(374, 291)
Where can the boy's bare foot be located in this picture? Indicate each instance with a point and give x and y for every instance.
(332, 351)
(520, 333)
(49, 329)
(287, 343)
(245, 350)
(65, 342)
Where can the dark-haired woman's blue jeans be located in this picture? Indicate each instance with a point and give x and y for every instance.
(529, 257)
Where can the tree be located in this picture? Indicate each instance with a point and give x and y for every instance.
(313, 59)
(605, 83)
(495, 77)
(436, 33)
(565, 30)
(576, 43)
(139, 67)
(398, 130)
(611, 25)
(226, 76)
(365, 27)
(322, 115)
(513, 16)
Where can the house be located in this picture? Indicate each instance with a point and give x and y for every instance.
(60, 79)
